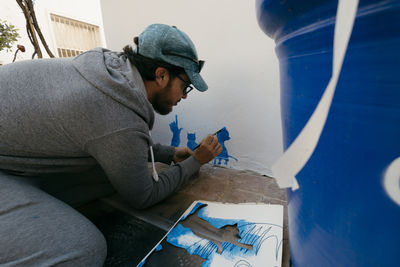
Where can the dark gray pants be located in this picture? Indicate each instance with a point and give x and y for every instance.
(37, 229)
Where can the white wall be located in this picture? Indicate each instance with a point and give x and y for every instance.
(241, 70)
(88, 11)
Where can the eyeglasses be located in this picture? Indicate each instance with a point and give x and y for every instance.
(187, 87)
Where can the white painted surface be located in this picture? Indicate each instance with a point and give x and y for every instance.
(88, 11)
(241, 70)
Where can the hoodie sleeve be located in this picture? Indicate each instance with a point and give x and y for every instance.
(123, 155)
(164, 154)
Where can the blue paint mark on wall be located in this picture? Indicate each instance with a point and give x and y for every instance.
(223, 136)
(191, 143)
(176, 132)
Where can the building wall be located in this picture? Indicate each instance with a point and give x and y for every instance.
(88, 11)
(241, 70)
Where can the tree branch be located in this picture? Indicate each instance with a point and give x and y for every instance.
(36, 25)
(30, 39)
(30, 28)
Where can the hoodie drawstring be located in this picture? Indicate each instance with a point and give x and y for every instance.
(155, 174)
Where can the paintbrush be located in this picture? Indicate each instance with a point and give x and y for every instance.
(217, 132)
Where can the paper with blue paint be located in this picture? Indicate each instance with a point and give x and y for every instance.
(259, 225)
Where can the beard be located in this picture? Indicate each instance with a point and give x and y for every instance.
(160, 104)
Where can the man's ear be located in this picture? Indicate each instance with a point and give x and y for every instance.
(162, 76)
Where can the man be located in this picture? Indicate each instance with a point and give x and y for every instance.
(71, 118)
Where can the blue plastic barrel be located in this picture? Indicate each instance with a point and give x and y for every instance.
(341, 215)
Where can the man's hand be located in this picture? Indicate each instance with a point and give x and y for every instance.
(182, 153)
(209, 148)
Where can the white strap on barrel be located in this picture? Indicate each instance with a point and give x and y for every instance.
(299, 152)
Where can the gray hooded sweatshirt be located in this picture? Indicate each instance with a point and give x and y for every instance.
(68, 115)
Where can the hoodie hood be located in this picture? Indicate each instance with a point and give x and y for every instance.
(113, 74)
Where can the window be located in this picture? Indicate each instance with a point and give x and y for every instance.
(74, 37)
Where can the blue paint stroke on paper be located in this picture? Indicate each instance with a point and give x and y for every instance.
(223, 157)
(176, 132)
(254, 234)
(191, 143)
(159, 247)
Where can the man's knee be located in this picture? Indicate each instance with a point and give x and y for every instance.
(86, 247)
(39, 230)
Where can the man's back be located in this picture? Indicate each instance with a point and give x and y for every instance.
(49, 111)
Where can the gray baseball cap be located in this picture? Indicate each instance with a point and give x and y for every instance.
(171, 45)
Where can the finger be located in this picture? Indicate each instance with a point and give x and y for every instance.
(215, 140)
(218, 151)
(215, 144)
(205, 140)
(210, 139)
(189, 151)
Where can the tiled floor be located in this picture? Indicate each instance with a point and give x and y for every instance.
(212, 184)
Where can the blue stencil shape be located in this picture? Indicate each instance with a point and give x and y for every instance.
(191, 143)
(223, 136)
(176, 132)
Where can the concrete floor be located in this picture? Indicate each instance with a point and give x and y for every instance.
(212, 184)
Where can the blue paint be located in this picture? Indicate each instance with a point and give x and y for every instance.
(191, 143)
(223, 136)
(176, 132)
(159, 247)
(223, 157)
(175, 233)
(341, 215)
(198, 204)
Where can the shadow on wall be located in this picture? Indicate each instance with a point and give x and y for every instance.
(223, 136)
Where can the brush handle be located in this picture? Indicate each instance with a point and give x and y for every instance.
(217, 132)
